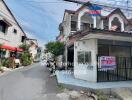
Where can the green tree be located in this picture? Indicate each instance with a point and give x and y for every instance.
(56, 48)
(26, 59)
(25, 47)
(1, 45)
(25, 55)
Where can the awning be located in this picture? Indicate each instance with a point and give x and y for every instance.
(19, 49)
(11, 48)
(8, 47)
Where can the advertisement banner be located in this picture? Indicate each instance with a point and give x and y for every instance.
(94, 10)
(107, 62)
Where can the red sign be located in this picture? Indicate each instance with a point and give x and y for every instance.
(107, 62)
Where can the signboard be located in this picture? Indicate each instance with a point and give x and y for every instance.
(94, 10)
(107, 62)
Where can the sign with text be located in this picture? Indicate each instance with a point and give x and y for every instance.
(94, 10)
(107, 62)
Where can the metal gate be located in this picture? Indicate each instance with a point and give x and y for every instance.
(122, 72)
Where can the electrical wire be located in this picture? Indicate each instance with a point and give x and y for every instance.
(45, 2)
(113, 6)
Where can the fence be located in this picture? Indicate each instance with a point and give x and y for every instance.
(122, 72)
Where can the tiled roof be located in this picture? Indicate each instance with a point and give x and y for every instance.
(80, 34)
(70, 11)
(130, 20)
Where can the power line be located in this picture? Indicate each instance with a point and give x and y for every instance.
(102, 4)
(35, 7)
(45, 2)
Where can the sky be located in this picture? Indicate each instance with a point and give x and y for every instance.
(40, 18)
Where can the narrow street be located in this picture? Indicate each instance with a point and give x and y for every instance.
(29, 83)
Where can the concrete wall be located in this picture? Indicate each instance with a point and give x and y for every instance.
(29, 41)
(10, 38)
(67, 25)
(81, 71)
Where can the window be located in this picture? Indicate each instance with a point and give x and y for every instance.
(3, 26)
(87, 57)
(23, 38)
(84, 57)
(80, 57)
(73, 26)
(91, 25)
(85, 26)
(117, 23)
(15, 31)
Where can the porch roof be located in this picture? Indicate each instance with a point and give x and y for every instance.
(80, 34)
(98, 31)
(117, 33)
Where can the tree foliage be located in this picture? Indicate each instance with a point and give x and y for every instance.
(25, 47)
(56, 48)
(26, 59)
(25, 55)
(1, 45)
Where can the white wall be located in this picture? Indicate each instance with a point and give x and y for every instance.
(80, 70)
(67, 25)
(10, 38)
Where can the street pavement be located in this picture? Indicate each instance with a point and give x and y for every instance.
(29, 83)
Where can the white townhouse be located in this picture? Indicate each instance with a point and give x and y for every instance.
(99, 46)
(11, 33)
(29, 41)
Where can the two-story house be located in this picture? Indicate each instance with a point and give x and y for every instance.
(99, 46)
(11, 33)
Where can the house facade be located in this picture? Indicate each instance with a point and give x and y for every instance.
(99, 46)
(11, 33)
(29, 41)
(33, 47)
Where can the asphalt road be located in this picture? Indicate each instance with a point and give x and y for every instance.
(29, 83)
